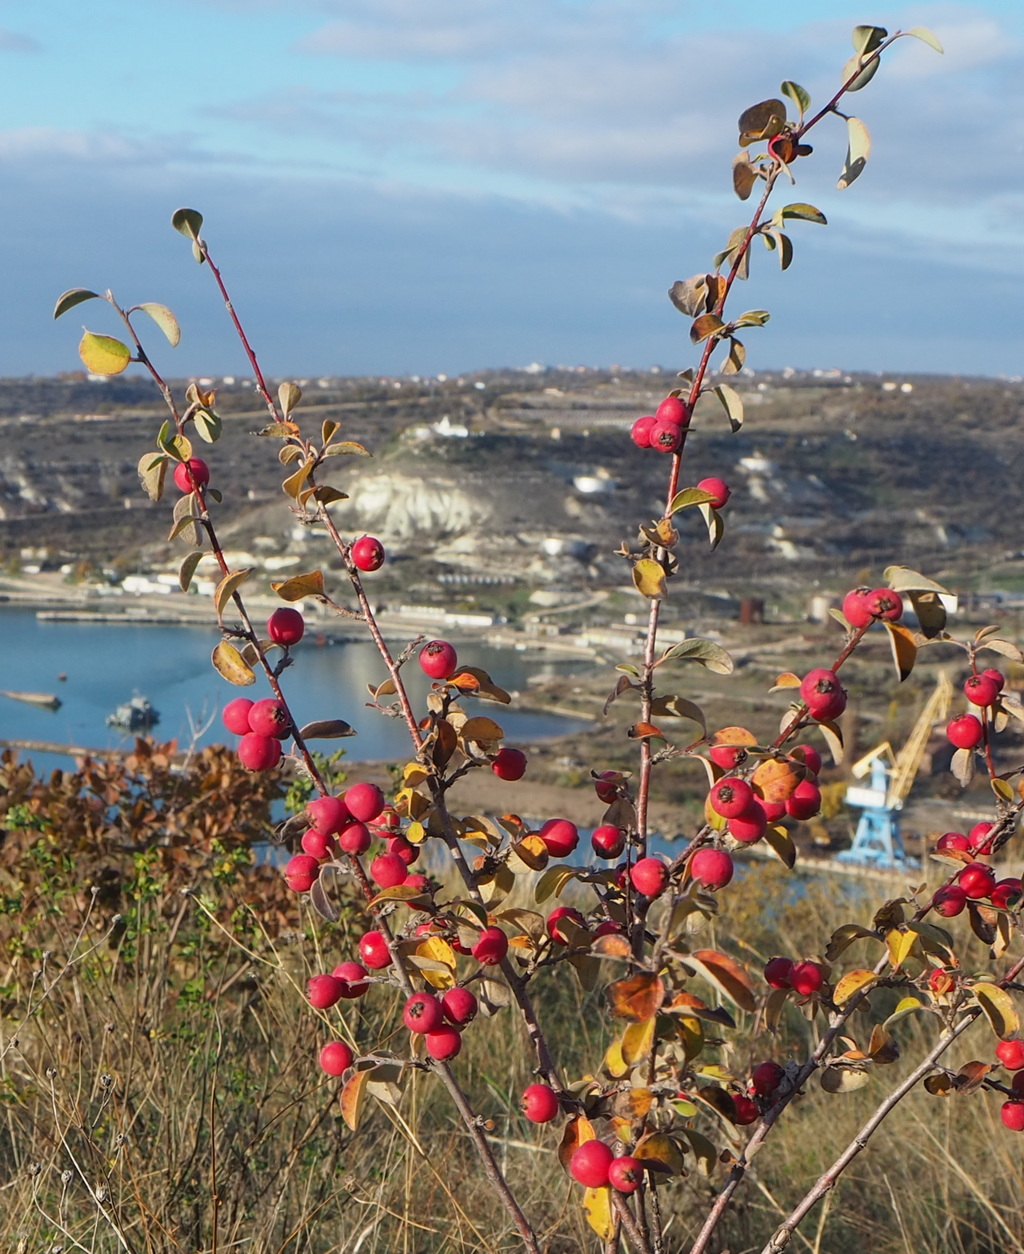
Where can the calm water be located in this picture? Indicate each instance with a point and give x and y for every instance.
(106, 663)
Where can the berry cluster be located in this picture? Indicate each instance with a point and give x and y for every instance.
(982, 690)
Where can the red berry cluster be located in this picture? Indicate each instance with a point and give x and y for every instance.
(982, 690)
(864, 606)
(262, 726)
(662, 430)
(806, 978)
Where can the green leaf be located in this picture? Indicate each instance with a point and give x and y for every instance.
(744, 176)
(805, 212)
(857, 152)
(152, 470)
(164, 319)
(710, 655)
(715, 525)
(688, 498)
(289, 394)
(208, 425)
(732, 404)
(926, 36)
(752, 318)
(327, 729)
(733, 363)
(761, 121)
(102, 354)
(855, 81)
(690, 295)
(72, 297)
(796, 93)
(347, 448)
(228, 586)
(188, 221)
(188, 569)
(903, 579)
(867, 38)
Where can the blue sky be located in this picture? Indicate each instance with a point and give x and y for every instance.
(423, 186)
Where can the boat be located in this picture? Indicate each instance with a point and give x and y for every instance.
(136, 715)
(45, 699)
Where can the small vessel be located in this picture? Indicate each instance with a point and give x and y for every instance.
(136, 715)
(46, 699)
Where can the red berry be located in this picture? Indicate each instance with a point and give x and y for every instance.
(649, 876)
(354, 838)
(1012, 1115)
(373, 949)
(388, 870)
(589, 1164)
(712, 867)
(731, 797)
(805, 800)
(509, 764)
(259, 753)
(807, 978)
(407, 851)
(364, 801)
(823, 694)
(1011, 1054)
(301, 871)
(328, 814)
(766, 1078)
(235, 716)
(555, 918)
(285, 626)
(459, 1006)
(728, 757)
(491, 947)
(773, 810)
(809, 756)
(940, 981)
(751, 825)
(719, 490)
(949, 901)
(977, 879)
(539, 1103)
(606, 785)
(191, 475)
(419, 883)
(444, 1042)
(387, 822)
(315, 843)
(353, 977)
(981, 690)
(335, 1058)
(965, 732)
(997, 677)
(777, 972)
(609, 928)
(560, 837)
(952, 840)
(666, 437)
(438, 659)
(979, 837)
(1006, 893)
(268, 717)
(324, 991)
(641, 431)
(672, 409)
(746, 1110)
(885, 604)
(855, 608)
(608, 841)
(422, 1013)
(625, 1173)
(367, 553)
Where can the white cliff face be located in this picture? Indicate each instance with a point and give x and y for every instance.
(397, 507)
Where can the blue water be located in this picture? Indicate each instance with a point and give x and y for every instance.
(106, 663)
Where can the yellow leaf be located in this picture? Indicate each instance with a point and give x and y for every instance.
(614, 1063)
(227, 661)
(299, 586)
(776, 781)
(851, 984)
(482, 729)
(437, 949)
(649, 578)
(577, 1131)
(637, 1041)
(102, 354)
(597, 1206)
(899, 944)
(998, 1008)
(660, 1152)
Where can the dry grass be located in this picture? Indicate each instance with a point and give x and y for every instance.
(159, 1093)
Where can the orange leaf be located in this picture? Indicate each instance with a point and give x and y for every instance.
(576, 1132)
(776, 780)
(727, 975)
(638, 997)
(352, 1098)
